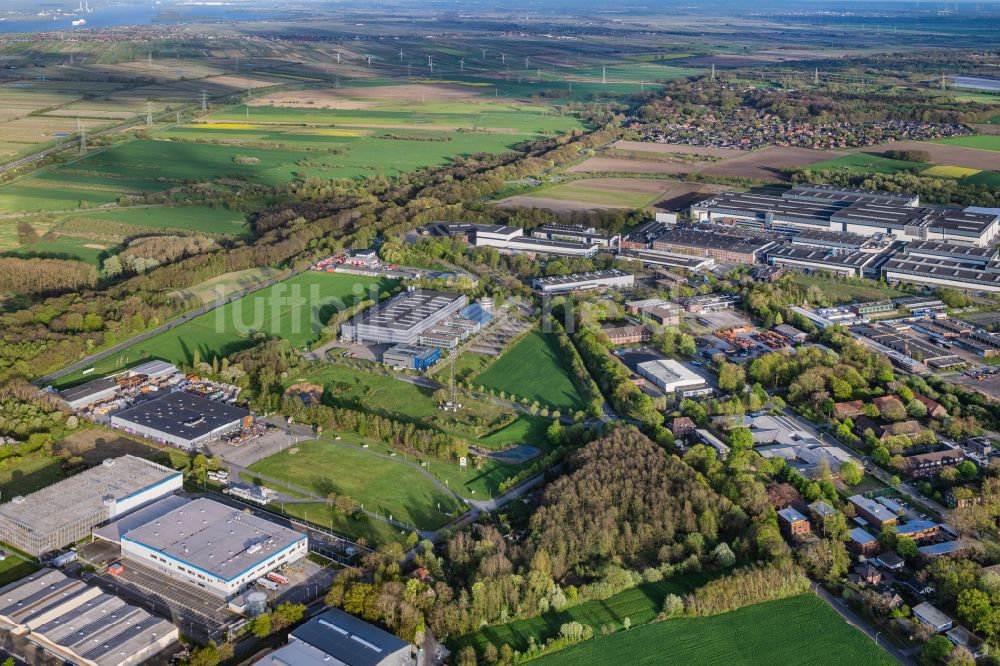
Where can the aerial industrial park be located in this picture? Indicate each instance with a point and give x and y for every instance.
(466, 335)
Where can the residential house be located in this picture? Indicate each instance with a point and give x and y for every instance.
(682, 426)
(848, 410)
(889, 560)
(908, 428)
(865, 574)
(874, 513)
(932, 617)
(919, 530)
(627, 334)
(962, 637)
(923, 465)
(862, 542)
(934, 408)
(885, 400)
(792, 522)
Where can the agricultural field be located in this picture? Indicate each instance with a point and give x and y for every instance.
(866, 163)
(534, 369)
(592, 194)
(640, 604)
(766, 164)
(294, 309)
(979, 141)
(93, 236)
(751, 636)
(271, 145)
(954, 172)
(387, 486)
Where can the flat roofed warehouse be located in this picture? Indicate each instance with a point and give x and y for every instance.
(611, 277)
(182, 419)
(923, 223)
(403, 318)
(213, 546)
(80, 624)
(833, 193)
(349, 640)
(84, 395)
(766, 210)
(808, 257)
(718, 242)
(67, 511)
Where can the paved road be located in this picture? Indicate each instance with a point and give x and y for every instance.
(849, 616)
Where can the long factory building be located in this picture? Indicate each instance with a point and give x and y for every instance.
(77, 623)
(407, 318)
(864, 212)
(67, 511)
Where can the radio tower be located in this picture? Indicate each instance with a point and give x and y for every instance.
(204, 102)
(149, 114)
(816, 77)
(713, 71)
(83, 136)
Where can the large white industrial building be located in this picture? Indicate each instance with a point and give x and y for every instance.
(864, 212)
(67, 511)
(513, 240)
(605, 279)
(670, 376)
(404, 318)
(79, 624)
(208, 544)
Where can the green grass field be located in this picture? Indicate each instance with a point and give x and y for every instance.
(67, 247)
(388, 487)
(29, 474)
(802, 630)
(200, 219)
(843, 292)
(294, 309)
(864, 163)
(275, 145)
(401, 400)
(577, 191)
(981, 141)
(640, 604)
(13, 568)
(987, 178)
(534, 368)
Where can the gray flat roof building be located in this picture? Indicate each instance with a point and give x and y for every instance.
(84, 395)
(403, 318)
(611, 277)
(182, 419)
(835, 194)
(808, 257)
(67, 511)
(79, 623)
(352, 641)
(213, 545)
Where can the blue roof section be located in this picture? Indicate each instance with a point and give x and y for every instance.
(349, 639)
(791, 515)
(475, 312)
(861, 536)
(916, 526)
(942, 548)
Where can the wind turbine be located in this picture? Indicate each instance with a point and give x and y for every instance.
(484, 53)
(503, 58)
(400, 55)
(338, 57)
(461, 64)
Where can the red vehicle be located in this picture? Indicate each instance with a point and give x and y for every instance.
(277, 578)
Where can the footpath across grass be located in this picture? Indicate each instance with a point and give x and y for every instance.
(534, 369)
(802, 630)
(388, 487)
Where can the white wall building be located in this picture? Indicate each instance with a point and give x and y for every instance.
(669, 375)
(213, 546)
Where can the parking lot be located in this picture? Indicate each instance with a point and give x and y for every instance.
(193, 610)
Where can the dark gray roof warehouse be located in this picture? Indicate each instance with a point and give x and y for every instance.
(180, 418)
(352, 641)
